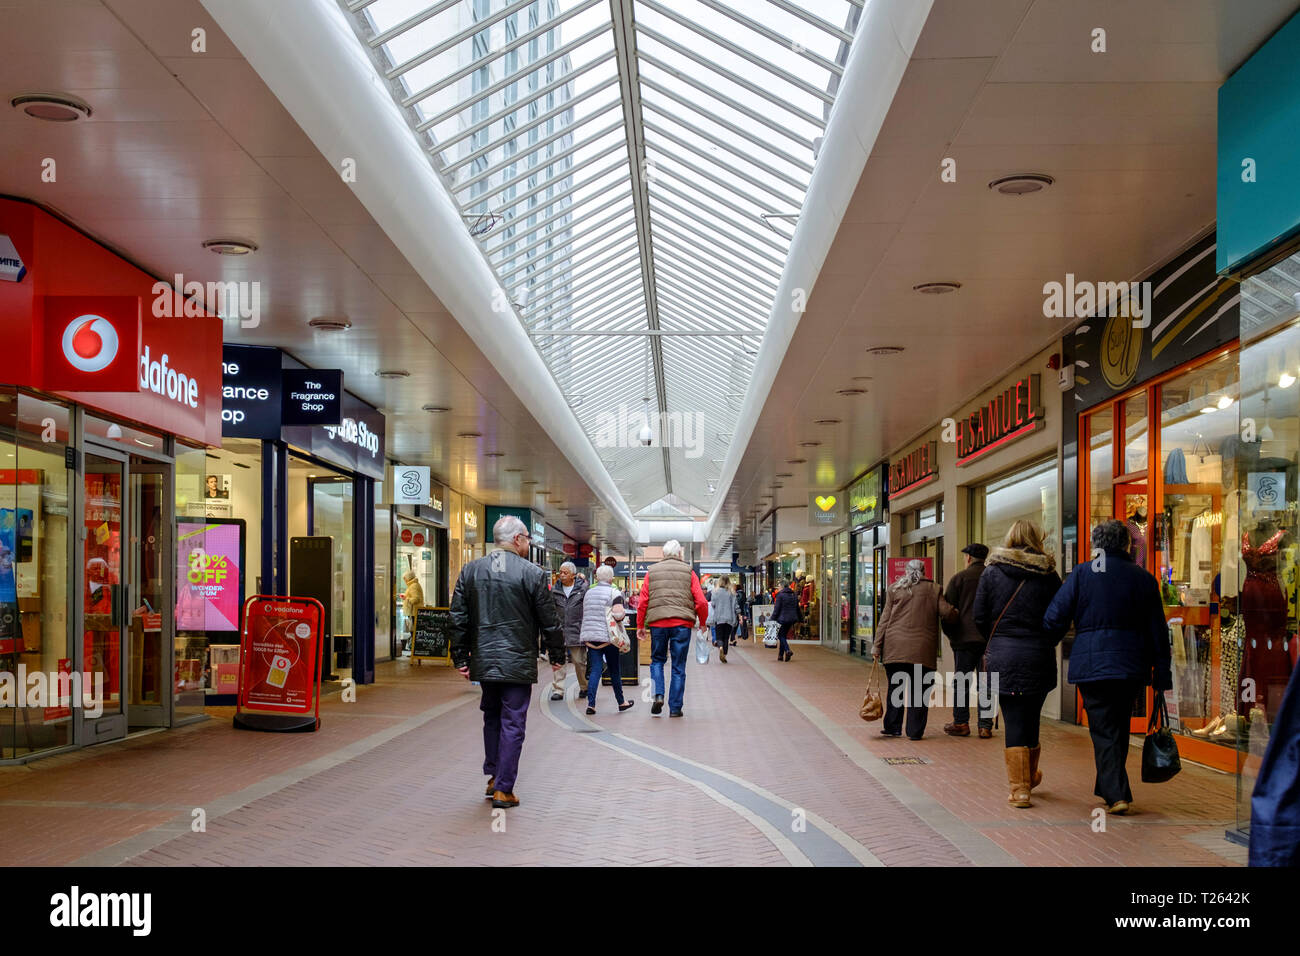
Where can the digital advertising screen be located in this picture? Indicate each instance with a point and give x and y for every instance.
(209, 574)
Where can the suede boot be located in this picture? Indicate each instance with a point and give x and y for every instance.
(1035, 775)
(1018, 776)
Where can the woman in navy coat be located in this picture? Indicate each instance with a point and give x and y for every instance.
(1121, 645)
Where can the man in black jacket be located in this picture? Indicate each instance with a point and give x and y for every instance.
(967, 642)
(501, 602)
(786, 613)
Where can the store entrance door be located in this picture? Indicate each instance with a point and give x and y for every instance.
(126, 588)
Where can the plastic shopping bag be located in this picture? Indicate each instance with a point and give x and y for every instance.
(702, 645)
(770, 634)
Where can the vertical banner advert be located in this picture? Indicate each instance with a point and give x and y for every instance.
(279, 664)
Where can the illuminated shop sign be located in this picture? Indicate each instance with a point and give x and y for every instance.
(918, 466)
(1011, 414)
(867, 499)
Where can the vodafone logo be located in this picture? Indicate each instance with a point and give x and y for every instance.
(90, 343)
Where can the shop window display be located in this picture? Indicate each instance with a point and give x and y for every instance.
(34, 549)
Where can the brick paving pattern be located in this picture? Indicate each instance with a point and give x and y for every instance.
(341, 797)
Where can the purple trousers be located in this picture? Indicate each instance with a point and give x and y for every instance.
(505, 712)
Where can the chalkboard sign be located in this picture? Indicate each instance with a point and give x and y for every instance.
(431, 639)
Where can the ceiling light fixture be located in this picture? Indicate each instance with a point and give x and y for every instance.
(936, 288)
(884, 349)
(330, 323)
(52, 107)
(828, 421)
(469, 434)
(393, 373)
(230, 247)
(1225, 401)
(796, 461)
(850, 391)
(1022, 184)
(1285, 380)
(434, 408)
(784, 474)
(494, 454)
(514, 471)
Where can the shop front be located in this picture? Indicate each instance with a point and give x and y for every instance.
(417, 548)
(543, 554)
(865, 549)
(1156, 442)
(1257, 246)
(98, 401)
(294, 480)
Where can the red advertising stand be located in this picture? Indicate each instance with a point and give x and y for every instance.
(280, 664)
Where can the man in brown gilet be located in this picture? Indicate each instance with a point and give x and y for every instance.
(670, 603)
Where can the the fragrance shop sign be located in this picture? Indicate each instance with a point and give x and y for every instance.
(918, 467)
(1011, 414)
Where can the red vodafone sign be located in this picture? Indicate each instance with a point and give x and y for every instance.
(91, 343)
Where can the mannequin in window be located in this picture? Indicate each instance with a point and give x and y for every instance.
(1265, 660)
(1137, 530)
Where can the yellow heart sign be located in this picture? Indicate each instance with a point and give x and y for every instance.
(825, 503)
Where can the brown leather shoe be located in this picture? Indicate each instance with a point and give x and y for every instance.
(491, 788)
(957, 730)
(1120, 808)
(502, 799)
(1017, 759)
(986, 733)
(1035, 775)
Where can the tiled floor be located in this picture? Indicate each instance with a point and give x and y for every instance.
(770, 765)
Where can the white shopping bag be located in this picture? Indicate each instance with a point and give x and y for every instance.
(702, 645)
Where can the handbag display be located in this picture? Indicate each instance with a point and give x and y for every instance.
(872, 707)
(1160, 761)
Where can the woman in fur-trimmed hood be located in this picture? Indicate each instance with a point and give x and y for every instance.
(1018, 584)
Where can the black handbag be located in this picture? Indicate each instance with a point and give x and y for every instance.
(1160, 760)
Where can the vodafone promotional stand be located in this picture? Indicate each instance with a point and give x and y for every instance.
(280, 664)
(106, 411)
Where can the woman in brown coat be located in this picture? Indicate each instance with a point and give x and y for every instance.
(907, 641)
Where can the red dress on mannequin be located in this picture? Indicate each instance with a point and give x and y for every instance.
(1265, 663)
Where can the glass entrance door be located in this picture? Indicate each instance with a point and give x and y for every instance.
(149, 584)
(103, 610)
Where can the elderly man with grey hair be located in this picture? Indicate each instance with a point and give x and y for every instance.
(670, 603)
(500, 604)
(568, 593)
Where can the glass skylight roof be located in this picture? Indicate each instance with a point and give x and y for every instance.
(632, 167)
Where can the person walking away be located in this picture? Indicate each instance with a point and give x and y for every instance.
(967, 642)
(1121, 646)
(742, 616)
(568, 592)
(907, 643)
(785, 612)
(499, 607)
(601, 602)
(1012, 596)
(723, 608)
(670, 603)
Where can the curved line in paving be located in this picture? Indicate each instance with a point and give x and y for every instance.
(816, 843)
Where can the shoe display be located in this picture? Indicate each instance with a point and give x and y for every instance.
(957, 730)
(1209, 728)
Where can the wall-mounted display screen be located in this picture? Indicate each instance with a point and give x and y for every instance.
(209, 574)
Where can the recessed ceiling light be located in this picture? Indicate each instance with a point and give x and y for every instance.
(1022, 183)
(469, 434)
(434, 408)
(53, 107)
(809, 444)
(543, 491)
(796, 461)
(851, 391)
(393, 373)
(936, 288)
(784, 474)
(1225, 401)
(884, 350)
(529, 481)
(778, 485)
(513, 471)
(230, 247)
(494, 454)
(1285, 380)
(862, 378)
(330, 323)
(828, 421)
(1208, 410)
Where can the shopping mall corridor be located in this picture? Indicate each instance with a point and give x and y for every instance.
(770, 766)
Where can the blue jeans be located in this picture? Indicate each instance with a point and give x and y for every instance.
(661, 638)
(602, 658)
